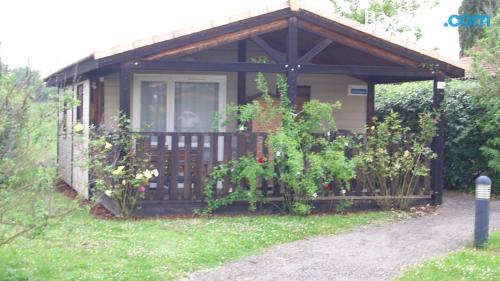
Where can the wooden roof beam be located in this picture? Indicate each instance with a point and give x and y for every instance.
(357, 44)
(306, 58)
(276, 55)
(220, 40)
(361, 70)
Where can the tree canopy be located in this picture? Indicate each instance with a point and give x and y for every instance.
(468, 35)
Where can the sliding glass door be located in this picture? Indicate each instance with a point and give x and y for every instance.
(196, 104)
(177, 103)
(153, 106)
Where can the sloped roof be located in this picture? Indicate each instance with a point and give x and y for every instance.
(90, 62)
(467, 63)
(292, 5)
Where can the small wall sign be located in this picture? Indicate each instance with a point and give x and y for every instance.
(357, 90)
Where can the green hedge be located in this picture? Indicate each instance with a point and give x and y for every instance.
(463, 138)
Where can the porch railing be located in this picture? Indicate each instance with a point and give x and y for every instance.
(185, 160)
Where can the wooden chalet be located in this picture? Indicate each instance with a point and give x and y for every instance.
(173, 84)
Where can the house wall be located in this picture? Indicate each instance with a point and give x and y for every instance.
(65, 142)
(73, 147)
(328, 88)
(325, 88)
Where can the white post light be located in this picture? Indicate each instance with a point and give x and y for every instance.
(481, 225)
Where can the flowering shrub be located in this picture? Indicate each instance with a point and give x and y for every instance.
(391, 156)
(304, 162)
(117, 169)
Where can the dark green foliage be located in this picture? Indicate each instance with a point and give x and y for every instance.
(463, 137)
(487, 94)
(469, 35)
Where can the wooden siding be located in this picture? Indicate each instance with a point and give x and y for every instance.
(72, 152)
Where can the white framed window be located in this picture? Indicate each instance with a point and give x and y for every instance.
(177, 103)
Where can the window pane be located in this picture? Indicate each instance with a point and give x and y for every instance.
(153, 106)
(195, 106)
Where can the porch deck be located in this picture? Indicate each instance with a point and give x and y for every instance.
(185, 160)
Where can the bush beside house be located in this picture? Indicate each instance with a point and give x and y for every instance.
(464, 160)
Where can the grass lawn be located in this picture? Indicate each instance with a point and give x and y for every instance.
(469, 264)
(85, 248)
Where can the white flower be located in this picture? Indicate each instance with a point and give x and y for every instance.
(78, 127)
(108, 145)
(343, 191)
(242, 128)
(118, 171)
(147, 174)
(315, 195)
(108, 192)
(124, 182)
(139, 176)
(278, 153)
(155, 172)
(406, 153)
(328, 133)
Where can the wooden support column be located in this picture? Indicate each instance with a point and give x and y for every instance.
(96, 100)
(292, 59)
(125, 76)
(370, 103)
(437, 168)
(242, 75)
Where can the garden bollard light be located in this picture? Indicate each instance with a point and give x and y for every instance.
(483, 193)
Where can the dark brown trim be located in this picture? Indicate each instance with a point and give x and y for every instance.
(275, 55)
(292, 58)
(242, 75)
(318, 20)
(62, 76)
(359, 45)
(96, 108)
(194, 37)
(290, 67)
(211, 42)
(325, 27)
(437, 167)
(315, 51)
(209, 66)
(396, 71)
(125, 80)
(370, 103)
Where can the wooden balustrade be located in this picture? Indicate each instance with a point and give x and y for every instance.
(184, 161)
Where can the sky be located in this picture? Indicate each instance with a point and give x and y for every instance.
(48, 35)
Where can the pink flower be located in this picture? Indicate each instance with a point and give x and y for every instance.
(142, 189)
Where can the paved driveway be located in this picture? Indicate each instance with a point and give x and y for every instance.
(369, 253)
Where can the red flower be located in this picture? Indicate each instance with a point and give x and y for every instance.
(328, 187)
(261, 159)
(142, 189)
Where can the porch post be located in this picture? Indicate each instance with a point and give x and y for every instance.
(242, 75)
(437, 167)
(292, 59)
(125, 74)
(370, 103)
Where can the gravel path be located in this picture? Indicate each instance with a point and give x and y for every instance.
(369, 253)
